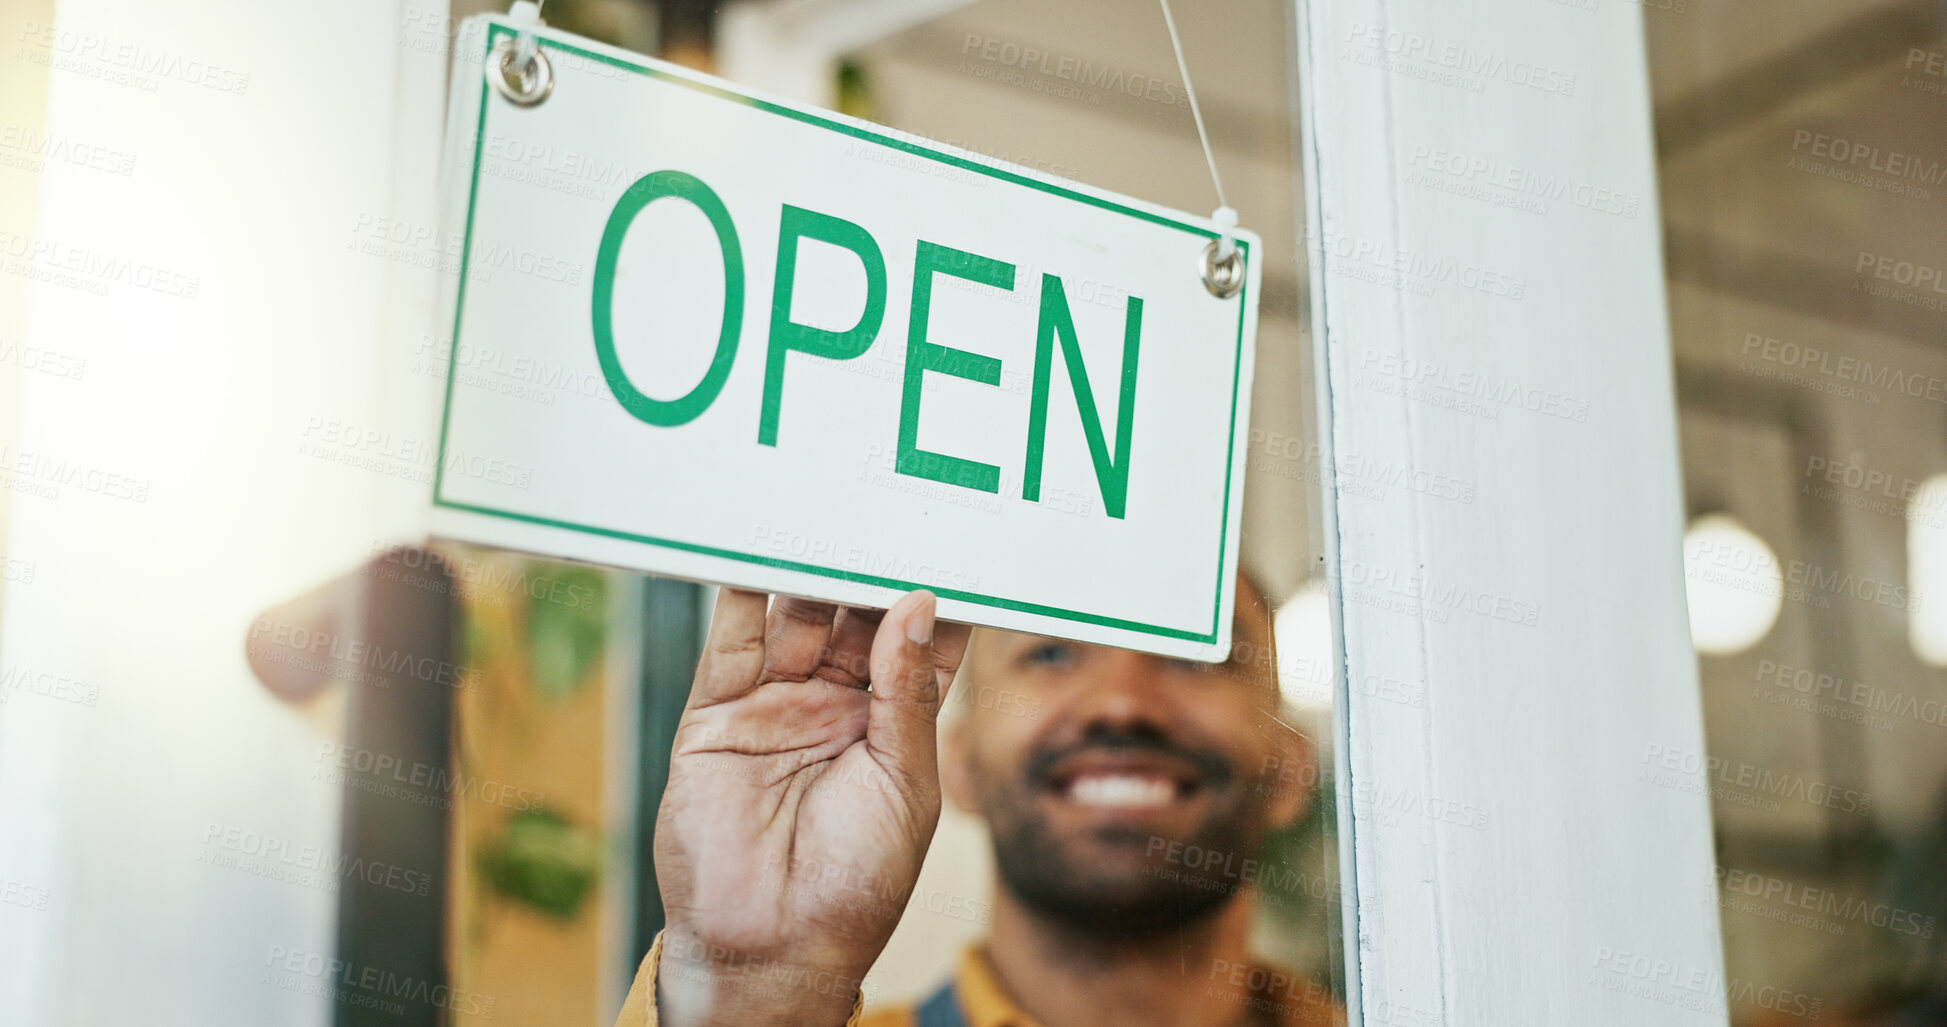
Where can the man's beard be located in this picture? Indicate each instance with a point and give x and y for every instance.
(1179, 881)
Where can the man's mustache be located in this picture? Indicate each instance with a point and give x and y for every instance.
(1211, 767)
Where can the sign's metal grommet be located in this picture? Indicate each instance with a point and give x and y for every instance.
(526, 86)
(1224, 278)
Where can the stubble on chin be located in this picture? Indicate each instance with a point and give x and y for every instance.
(1118, 880)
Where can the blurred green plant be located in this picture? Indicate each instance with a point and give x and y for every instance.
(543, 861)
(855, 95)
(567, 619)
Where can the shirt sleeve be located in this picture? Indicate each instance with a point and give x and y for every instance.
(639, 1009)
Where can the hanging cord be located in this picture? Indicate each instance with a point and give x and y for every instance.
(526, 14)
(1224, 216)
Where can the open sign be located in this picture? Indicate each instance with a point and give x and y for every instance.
(843, 363)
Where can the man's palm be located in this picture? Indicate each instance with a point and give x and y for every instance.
(800, 805)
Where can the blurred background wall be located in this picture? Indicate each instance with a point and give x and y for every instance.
(202, 370)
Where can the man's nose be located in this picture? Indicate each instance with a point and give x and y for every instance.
(1132, 688)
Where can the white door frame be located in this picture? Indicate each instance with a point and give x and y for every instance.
(1531, 843)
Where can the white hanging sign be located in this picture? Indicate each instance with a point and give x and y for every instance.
(714, 335)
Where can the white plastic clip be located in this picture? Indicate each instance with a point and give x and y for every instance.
(1222, 264)
(1226, 219)
(527, 15)
(517, 69)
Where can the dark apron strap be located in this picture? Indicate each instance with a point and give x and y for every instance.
(941, 1009)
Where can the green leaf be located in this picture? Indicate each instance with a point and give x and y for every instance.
(543, 861)
(566, 624)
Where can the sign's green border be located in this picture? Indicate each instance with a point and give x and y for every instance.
(495, 31)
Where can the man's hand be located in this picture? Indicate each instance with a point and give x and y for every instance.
(799, 806)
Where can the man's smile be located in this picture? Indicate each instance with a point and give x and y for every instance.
(1119, 781)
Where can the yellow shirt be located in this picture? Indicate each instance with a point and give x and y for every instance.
(1289, 1000)
(1285, 999)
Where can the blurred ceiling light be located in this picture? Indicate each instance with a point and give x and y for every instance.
(1304, 635)
(1926, 570)
(1733, 583)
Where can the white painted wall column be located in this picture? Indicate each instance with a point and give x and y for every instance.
(245, 278)
(1488, 305)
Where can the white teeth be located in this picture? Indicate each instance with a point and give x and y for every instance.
(1121, 790)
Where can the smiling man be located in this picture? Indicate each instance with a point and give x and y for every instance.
(801, 803)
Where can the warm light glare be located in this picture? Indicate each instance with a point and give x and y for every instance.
(1304, 635)
(1733, 583)
(1926, 570)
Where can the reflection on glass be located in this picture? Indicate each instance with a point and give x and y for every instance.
(1734, 586)
(1803, 155)
(1926, 561)
(1094, 795)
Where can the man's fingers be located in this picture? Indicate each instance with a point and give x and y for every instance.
(753, 640)
(905, 687)
(848, 658)
(733, 654)
(795, 638)
(949, 648)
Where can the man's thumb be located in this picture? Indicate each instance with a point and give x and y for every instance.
(905, 689)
